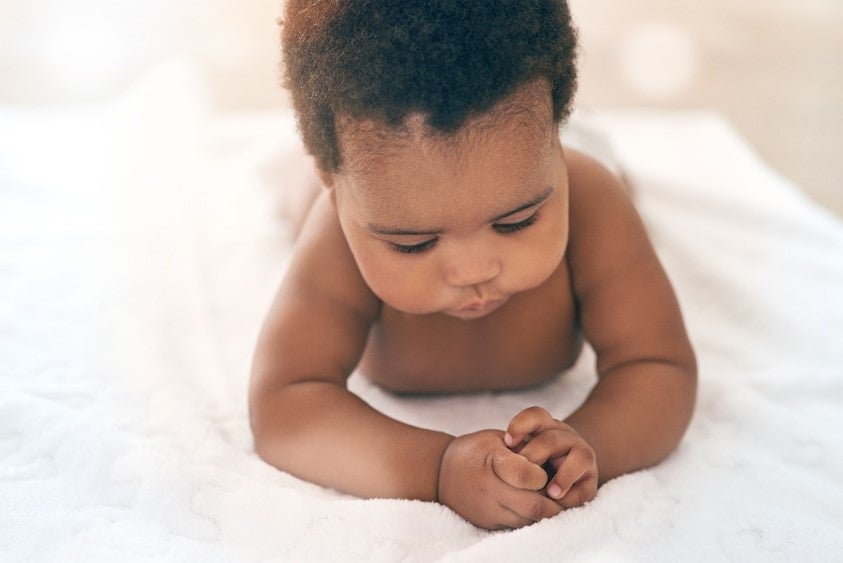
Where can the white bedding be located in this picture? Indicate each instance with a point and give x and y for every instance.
(139, 248)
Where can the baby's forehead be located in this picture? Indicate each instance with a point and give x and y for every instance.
(418, 182)
(374, 163)
(524, 117)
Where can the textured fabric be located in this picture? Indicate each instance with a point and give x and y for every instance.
(140, 246)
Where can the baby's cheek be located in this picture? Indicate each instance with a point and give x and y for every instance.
(404, 287)
(532, 271)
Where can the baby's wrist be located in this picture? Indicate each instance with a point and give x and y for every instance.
(436, 490)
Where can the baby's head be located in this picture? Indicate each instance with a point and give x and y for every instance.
(435, 125)
(447, 60)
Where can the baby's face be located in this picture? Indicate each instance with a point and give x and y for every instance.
(455, 225)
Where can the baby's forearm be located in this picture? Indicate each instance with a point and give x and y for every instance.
(321, 432)
(636, 415)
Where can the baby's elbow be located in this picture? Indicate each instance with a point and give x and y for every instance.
(263, 420)
(679, 384)
(681, 378)
(268, 437)
(689, 371)
(275, 418)
(684, 398)
(259, 424)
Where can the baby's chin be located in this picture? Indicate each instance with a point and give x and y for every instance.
(417, 309)
(407, 305)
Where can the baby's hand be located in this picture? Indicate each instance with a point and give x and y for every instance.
(548, 442)
(491, 486)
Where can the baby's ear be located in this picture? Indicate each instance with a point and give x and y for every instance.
(327, 178)
(329, 182)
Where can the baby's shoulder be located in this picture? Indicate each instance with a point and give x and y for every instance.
(597, 196)
(603, 222)
(322, 265)
(588, 177)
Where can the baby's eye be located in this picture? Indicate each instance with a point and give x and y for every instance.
(414, 248)
(513, 227)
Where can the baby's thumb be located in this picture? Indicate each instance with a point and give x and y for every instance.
(517, 471)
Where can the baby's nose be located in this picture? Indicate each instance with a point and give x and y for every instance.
(473, 270)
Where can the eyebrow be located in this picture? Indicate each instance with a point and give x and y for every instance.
(380, 230)
(535, 201)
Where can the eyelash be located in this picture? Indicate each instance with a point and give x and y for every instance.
(414, 249)
(503, 228)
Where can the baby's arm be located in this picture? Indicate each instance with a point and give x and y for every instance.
(307, 423)
(643, 401)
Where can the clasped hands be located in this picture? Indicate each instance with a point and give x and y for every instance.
(498, 480)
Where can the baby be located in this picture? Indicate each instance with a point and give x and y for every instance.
(458, 246)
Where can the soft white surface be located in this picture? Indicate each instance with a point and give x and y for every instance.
(140, 245)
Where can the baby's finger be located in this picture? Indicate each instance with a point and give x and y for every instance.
(529, 421)
(518, 472)
(552, 443)
(529, 505)
(578, 468)
(583, 491)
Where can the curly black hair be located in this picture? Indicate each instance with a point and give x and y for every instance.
(448, 60)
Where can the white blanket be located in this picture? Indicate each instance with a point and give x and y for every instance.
(139, 248)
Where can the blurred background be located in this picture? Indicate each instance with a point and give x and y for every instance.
(771, 67)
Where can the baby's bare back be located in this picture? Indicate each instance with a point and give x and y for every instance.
(531, 338)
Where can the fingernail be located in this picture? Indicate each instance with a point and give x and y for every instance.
(554, 491)
(507, 439)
